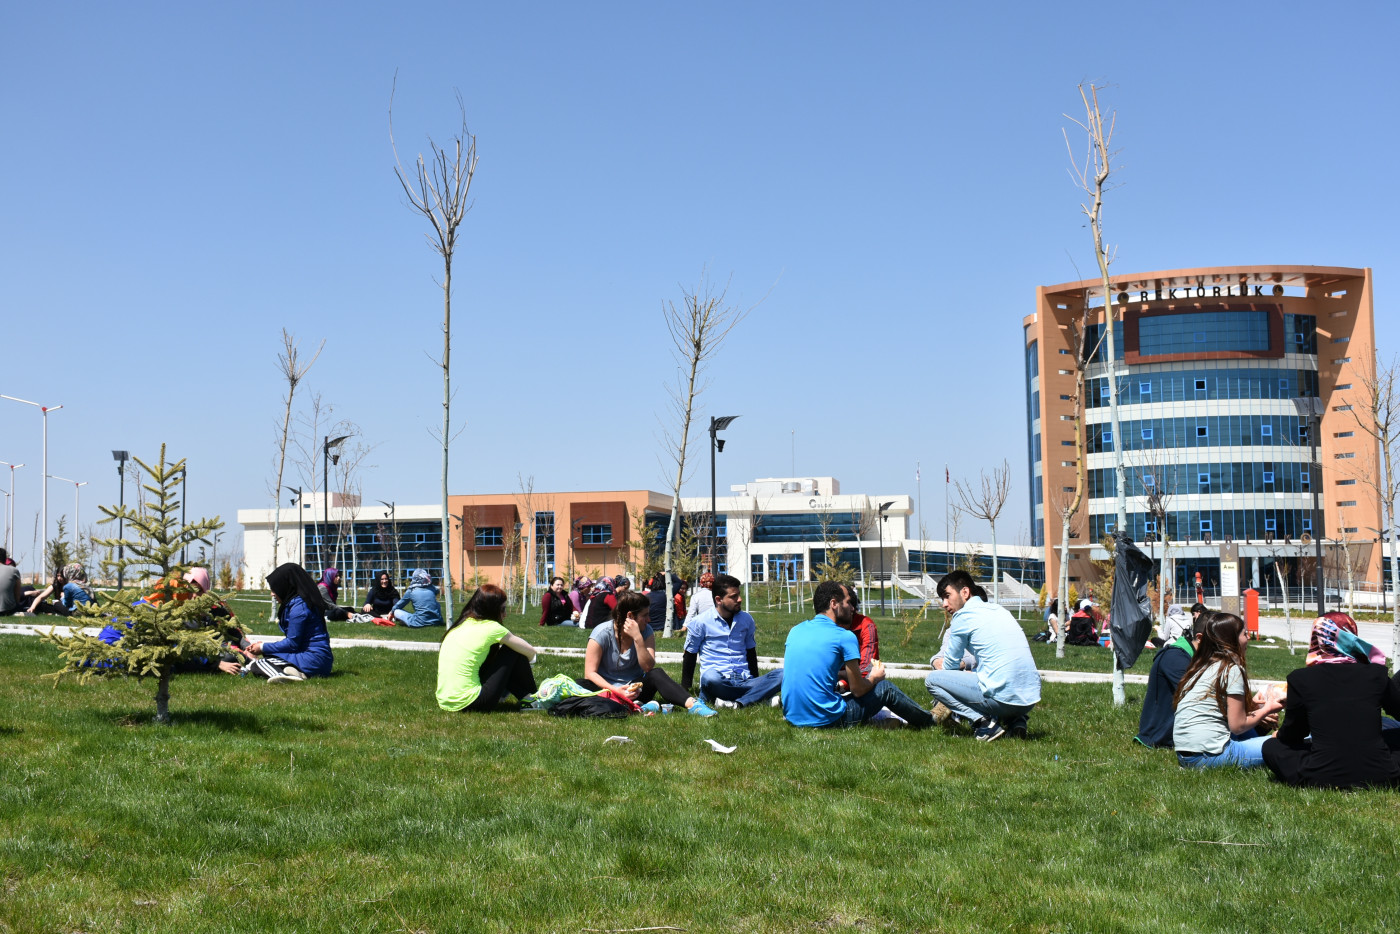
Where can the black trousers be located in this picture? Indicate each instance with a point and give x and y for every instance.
(505, 671)
(654, 682)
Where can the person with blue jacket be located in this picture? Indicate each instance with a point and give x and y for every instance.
(999, 694)
(305, 652)
(424, 597)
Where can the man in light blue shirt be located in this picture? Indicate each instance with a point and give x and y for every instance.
(998, 696)
(722, 640)
(818, 653)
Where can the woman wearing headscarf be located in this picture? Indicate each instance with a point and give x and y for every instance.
(600, 604)
(382, 596)
(703, 600)
(306, 650)
(578, 596)
(1331, 732)
(329, 587)
(424, 597)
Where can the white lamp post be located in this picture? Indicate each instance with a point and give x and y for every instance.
(77, 491)
(10, 516)
(45, 409)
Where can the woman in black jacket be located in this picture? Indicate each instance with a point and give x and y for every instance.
(1331, 733)
(382, 596)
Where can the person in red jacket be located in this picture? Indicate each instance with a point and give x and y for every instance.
(866, 634)
(556, 608)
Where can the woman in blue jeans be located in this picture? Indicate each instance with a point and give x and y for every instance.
(1215, 722)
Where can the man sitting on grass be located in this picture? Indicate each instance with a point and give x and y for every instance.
(999, 695)
(818, 653)
(723, 640)
(1159, 704)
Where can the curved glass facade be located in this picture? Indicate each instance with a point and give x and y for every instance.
(1203, 332)
(1033, 442)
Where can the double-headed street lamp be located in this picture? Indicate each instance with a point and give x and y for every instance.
(394, 531)
(882, 508)
(716, 445)
(330, 444)
(76, 500)
(301, 522)
(45, 409)
(10, 516)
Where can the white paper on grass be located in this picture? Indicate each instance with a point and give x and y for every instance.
(718, 748)
(616, 739)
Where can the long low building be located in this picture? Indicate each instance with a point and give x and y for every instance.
(777, 529)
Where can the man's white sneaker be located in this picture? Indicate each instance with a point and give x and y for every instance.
(721, 704)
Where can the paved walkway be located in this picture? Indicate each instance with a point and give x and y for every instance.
(902, 671)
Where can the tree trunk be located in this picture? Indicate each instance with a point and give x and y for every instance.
(277, 502)
(996, 568)
(446, 426)
(1064, 589)
(1287, 614)
(163, 699)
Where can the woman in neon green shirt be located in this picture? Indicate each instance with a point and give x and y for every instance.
(480, 661)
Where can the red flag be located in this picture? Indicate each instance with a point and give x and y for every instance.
(947, 477)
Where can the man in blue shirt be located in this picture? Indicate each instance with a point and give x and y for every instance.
(818, 653)
(998, 696)
(722, 639)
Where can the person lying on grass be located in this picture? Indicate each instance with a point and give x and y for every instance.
(999, 695)
(424, 597)
(481, 661)
(306, 650)
(819, 653)
(1216, 721)
(722, 641)
(1331, 735)
(621, 655)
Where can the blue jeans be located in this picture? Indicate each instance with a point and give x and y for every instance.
(743, 692)
(1244, 750)
(960, 693)
(884, 694)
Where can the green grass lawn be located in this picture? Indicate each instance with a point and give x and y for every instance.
(353, 804)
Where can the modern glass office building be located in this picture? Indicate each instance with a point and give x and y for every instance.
(1210, 365)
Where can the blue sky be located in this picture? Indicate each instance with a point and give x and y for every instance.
(180, 182)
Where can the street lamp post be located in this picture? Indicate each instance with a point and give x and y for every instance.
(1311, 407)
(121, 458)
(326, 460)
(184, 494)
(76, 501)
(10, 520)
(391, 515)
(882, 508)
(716, 445)
(301, 522)
(44, 499)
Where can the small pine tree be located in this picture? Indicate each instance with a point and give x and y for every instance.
(832, 568)
(56, 549)
(159, 636)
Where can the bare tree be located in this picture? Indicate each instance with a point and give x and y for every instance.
(1091, 174)
(438, 188)
(1158, 475)
(985, 501)
(1380, 403)
(1281, 569)
(698, 327)
(293, 371)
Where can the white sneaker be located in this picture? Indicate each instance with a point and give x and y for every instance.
(775, 701)
(724, 704)
(288, 676)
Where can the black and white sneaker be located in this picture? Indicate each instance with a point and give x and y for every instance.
(988, 729)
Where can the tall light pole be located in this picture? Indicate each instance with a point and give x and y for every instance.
(45, 409)
(184, 495)
(1310, 408)
(326, 447)
(881, 512)
(391, 515)
(121, 458)
(10, 520)
(716, 445)
(301, 522)
(76, 501)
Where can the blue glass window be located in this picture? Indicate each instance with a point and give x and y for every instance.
(1268, 476)
(1147, 434)
(487, 537)
(1203, 332)
(597, 534)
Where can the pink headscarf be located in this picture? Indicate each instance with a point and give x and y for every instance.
(1335, 642)
(199, 577)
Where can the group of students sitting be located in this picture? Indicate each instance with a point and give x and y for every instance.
(1333, 733)
(590, 603)
(384, 605)
(831, 674)
(68, 589)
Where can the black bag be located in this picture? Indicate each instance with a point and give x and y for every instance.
(591, 707)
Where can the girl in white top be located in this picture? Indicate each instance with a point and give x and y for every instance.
(1216, 723)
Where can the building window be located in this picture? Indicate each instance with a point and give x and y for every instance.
(1344, 434)
(1205, 526)
(1346, 502)
(1266, 431)
(597, 534)
(1346, 483)
(1103, 391)
(1341, 340)
(1268, 476)
(1345, 457)
(1149, 481)
(1346, 529)
(1302, 432)
(1341, 387)
(1064, 397)
(1341, 359)
(756, 567)
(488, 537)
(1066, 444)
(1202, 431)
(1200, 385)
(1270, 525)
(1341, 408)
(1150, 525)
(1307, 525)
(1063, 351)
(1144, 389)
(1108, 437)
(1304, 479)
(1203, 479)
(1147, 434)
